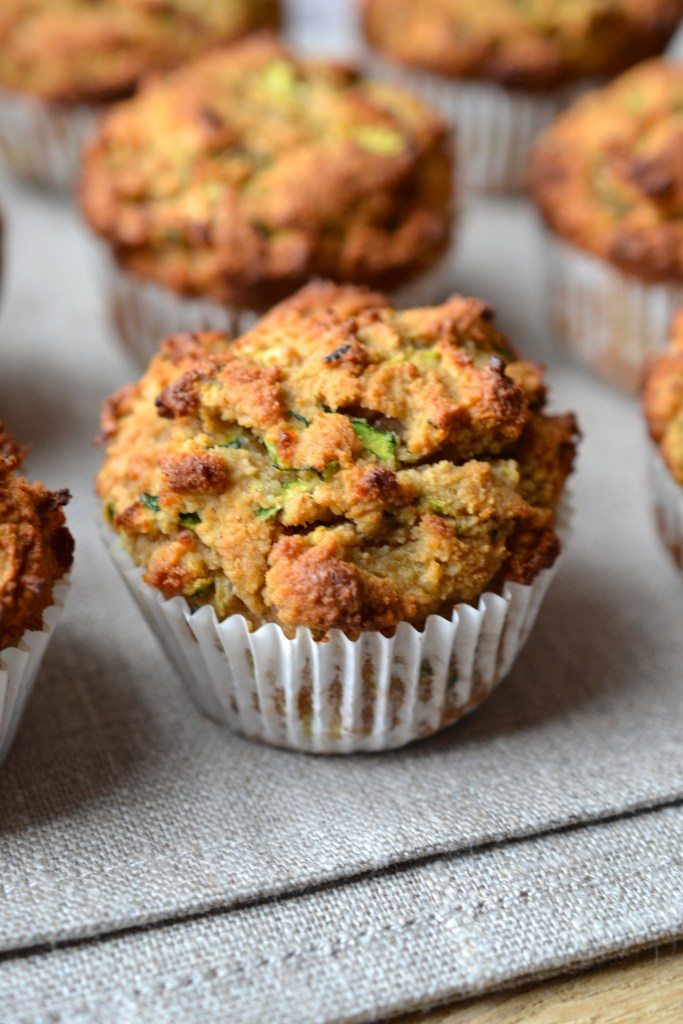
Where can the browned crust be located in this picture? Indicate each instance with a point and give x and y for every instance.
(532, 551)
(497, 42)
(340, 493)
(203, 473)
(247, 230)
(36, 549)
(312, 585)
(607, 176)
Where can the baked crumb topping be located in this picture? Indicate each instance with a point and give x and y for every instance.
(608, 174)
(343, 465)
(249, 172)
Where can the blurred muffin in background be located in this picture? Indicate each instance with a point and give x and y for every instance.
(607, 177)
(501, 70)
(36, 552)
(663, 408)
(365, 500)
(62, 60)
(223, 188)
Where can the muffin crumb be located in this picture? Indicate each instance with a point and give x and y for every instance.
(250, 171)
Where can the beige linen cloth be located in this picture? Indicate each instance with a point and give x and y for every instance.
(156, 868)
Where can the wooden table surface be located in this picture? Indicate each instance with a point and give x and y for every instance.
(647, 989)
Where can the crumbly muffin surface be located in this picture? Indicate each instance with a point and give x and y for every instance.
(663, 401)
(249, 172)
(535, 44)
(608, 175)
(79, 51)
(35, 547)
(343, 465)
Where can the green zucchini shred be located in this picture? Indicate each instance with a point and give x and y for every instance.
(267, 513)
(189, 519)
(382, 443)
(150, 501)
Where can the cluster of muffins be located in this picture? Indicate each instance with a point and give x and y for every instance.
(341, 518)
(36, 551)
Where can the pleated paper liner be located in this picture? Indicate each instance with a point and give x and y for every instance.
(19, 666)
(667, 495)
(43, 141)
(341, 696)
(612, 320)
(144, 312)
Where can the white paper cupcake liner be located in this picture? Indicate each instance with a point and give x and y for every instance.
(19, 666)
(612, 320)
(144, 312)
(495, 127)
(341, 696)
(667, 496)
(43, 141)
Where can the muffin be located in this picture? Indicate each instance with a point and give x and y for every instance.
(226, 187)
(503, 70)
(61, 62)
(36, 551)
(608, 180)
(663, 407)
(343, 523)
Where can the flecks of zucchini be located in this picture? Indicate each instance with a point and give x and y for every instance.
(419, 356)
(173, 236)
(150, 501)
(300, 421)
(634, 101)
(605, 192)
(279, 78)
(380, 140)
(189, 519)
(382, 443)
(461, 524)
(234, 442)
(274, 456)
(267, 513)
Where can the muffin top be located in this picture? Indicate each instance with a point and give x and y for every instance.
(36, 548)
(663, 401)
(81, 51)
(342, 465)
(608, 174)
(535, 44)
(250, 171)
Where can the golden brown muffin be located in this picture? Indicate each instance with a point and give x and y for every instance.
(77, 51)
(36, 549)
(538, 44)
(247, 173)
(608, 175)
(663, 401)
(342, 465)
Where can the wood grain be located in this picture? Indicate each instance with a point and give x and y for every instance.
(647, 989)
